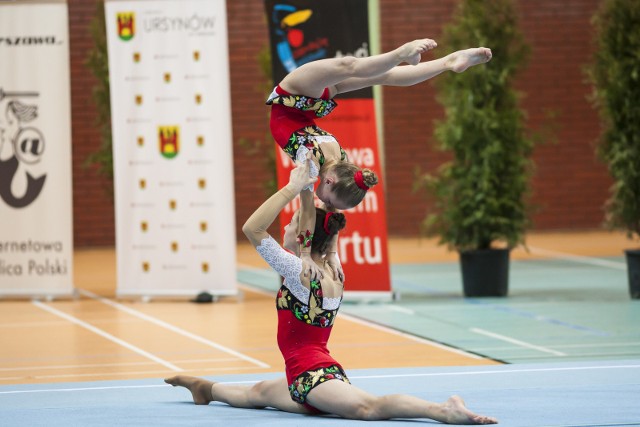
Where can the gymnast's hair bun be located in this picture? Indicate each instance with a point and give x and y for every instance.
(369, 177)
(336, 222)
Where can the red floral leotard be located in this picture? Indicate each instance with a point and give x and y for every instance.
(305, 316)
(294, 128)
(293, 116)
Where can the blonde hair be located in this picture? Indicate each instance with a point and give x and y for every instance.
(345, 188)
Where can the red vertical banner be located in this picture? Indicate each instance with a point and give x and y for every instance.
(327, 29)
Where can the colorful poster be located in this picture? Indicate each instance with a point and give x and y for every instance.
(36, 226)
(170, 105)
(302, 31)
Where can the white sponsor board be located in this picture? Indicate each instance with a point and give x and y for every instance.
(36, 220)
(173, 165)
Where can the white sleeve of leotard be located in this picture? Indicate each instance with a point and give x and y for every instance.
(286, 264)
(301, 156)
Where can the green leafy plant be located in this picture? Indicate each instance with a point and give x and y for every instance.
(98, 62)
(615, 74)
(264, 147)
(480, 196)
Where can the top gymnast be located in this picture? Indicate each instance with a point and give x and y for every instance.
(307, 93)
(315, 383)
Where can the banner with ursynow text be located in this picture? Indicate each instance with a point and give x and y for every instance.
(170, 103)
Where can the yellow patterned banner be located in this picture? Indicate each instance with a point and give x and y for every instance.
(168, 65)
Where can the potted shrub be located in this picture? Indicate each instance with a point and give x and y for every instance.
(615, 74)
(479, 197)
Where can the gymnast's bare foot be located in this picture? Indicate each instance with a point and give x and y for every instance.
(457, 413)
(461, 60)
(411, 52)
(200, 389)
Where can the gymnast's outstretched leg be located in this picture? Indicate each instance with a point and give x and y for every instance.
(348, 401)
(458, 62)
(312, 78)
(348, 74)
(271, 393)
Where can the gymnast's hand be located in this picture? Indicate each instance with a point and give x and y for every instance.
(335, 265)
(299, 177)
(310, 268)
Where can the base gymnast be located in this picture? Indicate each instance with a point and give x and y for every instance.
(315, 383)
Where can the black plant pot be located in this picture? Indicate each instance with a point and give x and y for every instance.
(485, 273)
(633, 268)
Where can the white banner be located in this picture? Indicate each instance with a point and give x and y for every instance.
(36, 223)
(173, 165)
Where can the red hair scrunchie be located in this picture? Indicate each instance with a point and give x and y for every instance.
(359, 179)
(326, 222)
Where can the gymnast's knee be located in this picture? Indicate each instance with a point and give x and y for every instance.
(368, 410)
(258, 394)
(347, 63)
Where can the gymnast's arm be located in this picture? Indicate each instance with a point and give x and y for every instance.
(306, 226)
(284, 263)
(255, 228)
(307, 214)
(333, 260)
